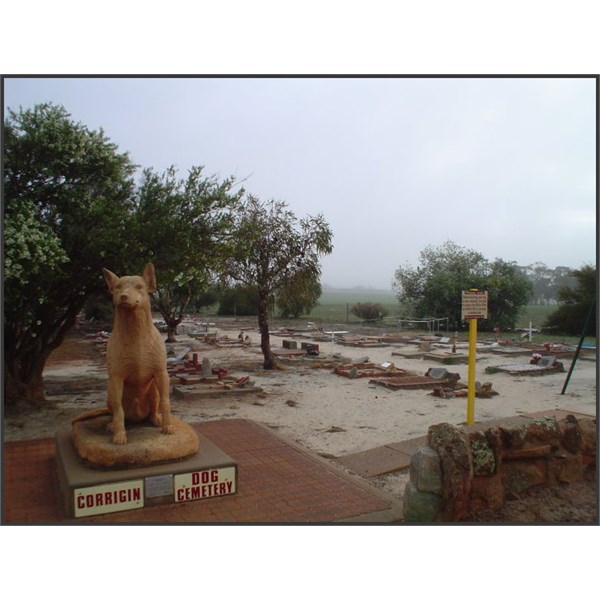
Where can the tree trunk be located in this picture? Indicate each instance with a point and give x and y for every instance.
(265, 342)
(24, 381)
(172, 315)
(172, 331)
(24, 359)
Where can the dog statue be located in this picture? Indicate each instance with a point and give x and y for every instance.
(138, 382)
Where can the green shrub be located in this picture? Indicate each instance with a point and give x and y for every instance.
(369, 311)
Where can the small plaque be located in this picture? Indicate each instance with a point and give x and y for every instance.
(159, 485)
(205, 484)
(108, 498)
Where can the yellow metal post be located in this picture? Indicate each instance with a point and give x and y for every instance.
(471, 373)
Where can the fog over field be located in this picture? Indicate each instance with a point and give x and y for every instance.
(503, 166)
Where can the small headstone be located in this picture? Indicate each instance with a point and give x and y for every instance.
(437, 373)
(206, 368)
(547, 361)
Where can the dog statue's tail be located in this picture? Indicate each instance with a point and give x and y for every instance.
(91, 414)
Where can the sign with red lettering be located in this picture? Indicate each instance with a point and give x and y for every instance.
(108, 498)
(474, 305)
(204, 484)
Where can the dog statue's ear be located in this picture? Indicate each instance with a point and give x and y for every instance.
(110, 278)
(150, 277)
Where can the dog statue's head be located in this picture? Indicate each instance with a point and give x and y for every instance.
(131, 291)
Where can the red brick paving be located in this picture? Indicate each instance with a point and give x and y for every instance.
(277, 482)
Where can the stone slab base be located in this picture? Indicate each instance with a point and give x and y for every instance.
(447, 358)
(84, 491)
(415, 355)
(146, 444)
(200, 391)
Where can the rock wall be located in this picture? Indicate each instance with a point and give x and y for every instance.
(460, 473)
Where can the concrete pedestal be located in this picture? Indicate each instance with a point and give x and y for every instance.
(86, 492)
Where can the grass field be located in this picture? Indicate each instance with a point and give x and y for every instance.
(335, 305)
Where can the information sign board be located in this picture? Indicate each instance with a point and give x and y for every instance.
(474, 305)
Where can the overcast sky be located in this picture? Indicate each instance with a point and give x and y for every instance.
(502, 166)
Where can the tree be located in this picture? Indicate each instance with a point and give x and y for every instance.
(67, 213)
(508, 292)
(239, 300)
(434, 288)
(205, 299)
(183, 226)
(575, 303)
(272, 249)
(299, 296)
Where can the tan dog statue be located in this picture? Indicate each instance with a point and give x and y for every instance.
(138, 382)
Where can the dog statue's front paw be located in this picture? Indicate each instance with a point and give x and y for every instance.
(120, 437)
(168, 429)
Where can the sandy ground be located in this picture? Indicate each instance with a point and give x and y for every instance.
(306, 402)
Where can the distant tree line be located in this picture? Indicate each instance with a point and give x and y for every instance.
(577, 305)
(546, 282)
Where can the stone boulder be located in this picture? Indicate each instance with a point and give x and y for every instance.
(520, 475)
(483, 456)
(426, 470)
(457, 469)
(565, 467)
(572, 439)
(544, 430)
(420, 507)
(587, 427)
(513, 436)
(487, 492)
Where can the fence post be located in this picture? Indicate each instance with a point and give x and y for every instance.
(583, 333)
